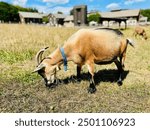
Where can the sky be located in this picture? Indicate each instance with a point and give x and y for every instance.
(53, 6)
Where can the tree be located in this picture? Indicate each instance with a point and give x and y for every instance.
(8, 12)
(146, 13)
(71, 12)
(45, 19)
(25, 9)
(59, 12)
(94, 17)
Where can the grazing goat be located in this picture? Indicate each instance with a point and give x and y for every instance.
(140, 31)
(85, 47)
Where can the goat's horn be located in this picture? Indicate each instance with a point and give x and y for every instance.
(41, 66)
(39, 55)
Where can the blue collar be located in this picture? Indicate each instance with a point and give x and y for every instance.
(64, 58)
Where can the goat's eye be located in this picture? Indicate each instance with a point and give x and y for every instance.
(41, 71)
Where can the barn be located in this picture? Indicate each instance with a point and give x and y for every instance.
(128, 17)
(56, 19)
(30, 17)
(69, 21)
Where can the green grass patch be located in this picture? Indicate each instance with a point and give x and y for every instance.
(15, 56)
(25, 77)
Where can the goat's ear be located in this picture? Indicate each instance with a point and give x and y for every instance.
(41, 66)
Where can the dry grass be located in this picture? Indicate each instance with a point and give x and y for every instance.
(22, 91)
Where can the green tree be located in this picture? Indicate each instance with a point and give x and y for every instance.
(59, 12)
(7, 12)
(94, 17)
(146, 13)
(71, 12)
(25, 9)
(45, 19)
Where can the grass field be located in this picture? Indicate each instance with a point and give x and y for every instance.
(23, 91)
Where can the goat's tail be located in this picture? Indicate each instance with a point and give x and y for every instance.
(131, 42)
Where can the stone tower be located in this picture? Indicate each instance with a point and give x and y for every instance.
(80, 15)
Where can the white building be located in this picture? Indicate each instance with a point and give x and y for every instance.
(56, 19)
(129, 17)
(30, 17)
(69, 21)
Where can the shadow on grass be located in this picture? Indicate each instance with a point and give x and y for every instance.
(110, 75)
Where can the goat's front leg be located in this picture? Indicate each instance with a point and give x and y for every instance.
(92, 87)
(79, 72)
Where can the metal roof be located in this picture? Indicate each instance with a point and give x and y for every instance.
(60, 16)
(120, 14)
(69, 18)
(30, 15)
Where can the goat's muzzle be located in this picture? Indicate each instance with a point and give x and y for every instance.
(50, 84)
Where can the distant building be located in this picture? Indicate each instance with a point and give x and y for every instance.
(143, 20)
(129, 17)
(93, 23)
(30, 17)
(56, 19)
(80, 15)
(69, 21)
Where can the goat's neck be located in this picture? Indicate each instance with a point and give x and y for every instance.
(56, 56)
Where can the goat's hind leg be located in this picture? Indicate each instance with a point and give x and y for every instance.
(92, 87)
(120, 69)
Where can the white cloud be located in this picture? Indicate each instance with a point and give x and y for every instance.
(127, 2)
(50, 9)
(57, 1)
(20, 2)
(65, 10)
(5, 1)
(113, 6)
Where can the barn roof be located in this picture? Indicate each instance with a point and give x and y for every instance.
(58, 16)
(120, 14)
(69, 18)
(30, 15)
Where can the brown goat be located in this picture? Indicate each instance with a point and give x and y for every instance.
(86, 47)
(140, 31)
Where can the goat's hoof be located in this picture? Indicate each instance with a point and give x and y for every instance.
(51, 86)
(78, 80)
(119, 82)
(92, 88)
(75, 79)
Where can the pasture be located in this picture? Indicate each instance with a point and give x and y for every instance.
(23, 91)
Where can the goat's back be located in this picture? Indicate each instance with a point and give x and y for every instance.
(101, 44)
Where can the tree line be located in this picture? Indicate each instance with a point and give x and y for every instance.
(9, 13)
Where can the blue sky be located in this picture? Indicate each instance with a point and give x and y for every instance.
(53, 6)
